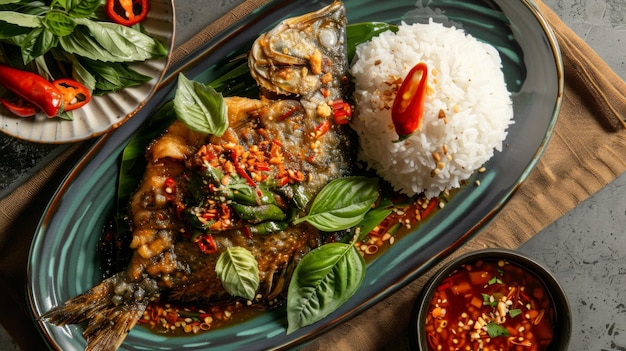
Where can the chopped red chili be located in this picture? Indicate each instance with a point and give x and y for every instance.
(247, 232)
(127, 12)
(342, 112)
(169, 187)
(432, 204)
(207, 244)
(408, 107)
(75, 95)
(322, 128)
(19, 107)
(287, 114)
(242, 172)
(262, 166)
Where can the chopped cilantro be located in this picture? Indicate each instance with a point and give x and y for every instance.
(489, 301)
(495, 280)
(514, 313)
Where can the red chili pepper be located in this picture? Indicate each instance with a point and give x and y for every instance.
(262, 166)
(207, 244)
(75, 95)
(287, 114)
(32, 88)
(432, 204)
(342, 112)
(242, 172)
(322, 128)
(19, 107)
(408, 107)
(169, 187)
(247, 232)
(127, 12)
(171, 317)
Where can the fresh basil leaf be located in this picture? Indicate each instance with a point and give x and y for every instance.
(65, 116)
(237, 81)
(342, 203)
(374, 217)
(110, 42)
(200, 107)
(80, 8)
(112, 76)
(35, 8)
(239, 272)
(20, 19)
(8, 30)
(82, 74)
(324, 279)
(59, 23)
(357, 33)
(495, 330)
(36, 43)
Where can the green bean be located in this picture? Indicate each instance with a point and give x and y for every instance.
(267, 227)
(257, 214)
(300, 197)
(244, 194)
(212, 174)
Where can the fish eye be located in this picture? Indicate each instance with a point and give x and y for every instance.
(327, 36)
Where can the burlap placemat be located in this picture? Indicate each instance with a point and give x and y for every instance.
(586, 152)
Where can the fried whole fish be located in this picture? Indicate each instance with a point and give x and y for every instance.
(202, 194)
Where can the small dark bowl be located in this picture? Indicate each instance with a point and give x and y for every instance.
(563, 320)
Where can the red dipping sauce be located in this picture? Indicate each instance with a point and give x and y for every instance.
(490, 305)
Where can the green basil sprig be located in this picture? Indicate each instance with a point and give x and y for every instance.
(342, 203)
(323, 280)
(200, 107)
(62, 29)
(239, 272)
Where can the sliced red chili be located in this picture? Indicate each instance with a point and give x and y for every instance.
(19, 107)
(127, 12)
(75, 95)
(408, 107)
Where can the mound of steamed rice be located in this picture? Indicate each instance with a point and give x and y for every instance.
(466, 112)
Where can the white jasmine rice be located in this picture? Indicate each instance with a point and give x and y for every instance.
(466, 112)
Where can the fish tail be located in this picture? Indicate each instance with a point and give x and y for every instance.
(109, 313)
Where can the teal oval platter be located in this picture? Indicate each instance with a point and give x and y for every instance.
(64, 262)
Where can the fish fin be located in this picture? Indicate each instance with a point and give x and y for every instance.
(107, 323)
